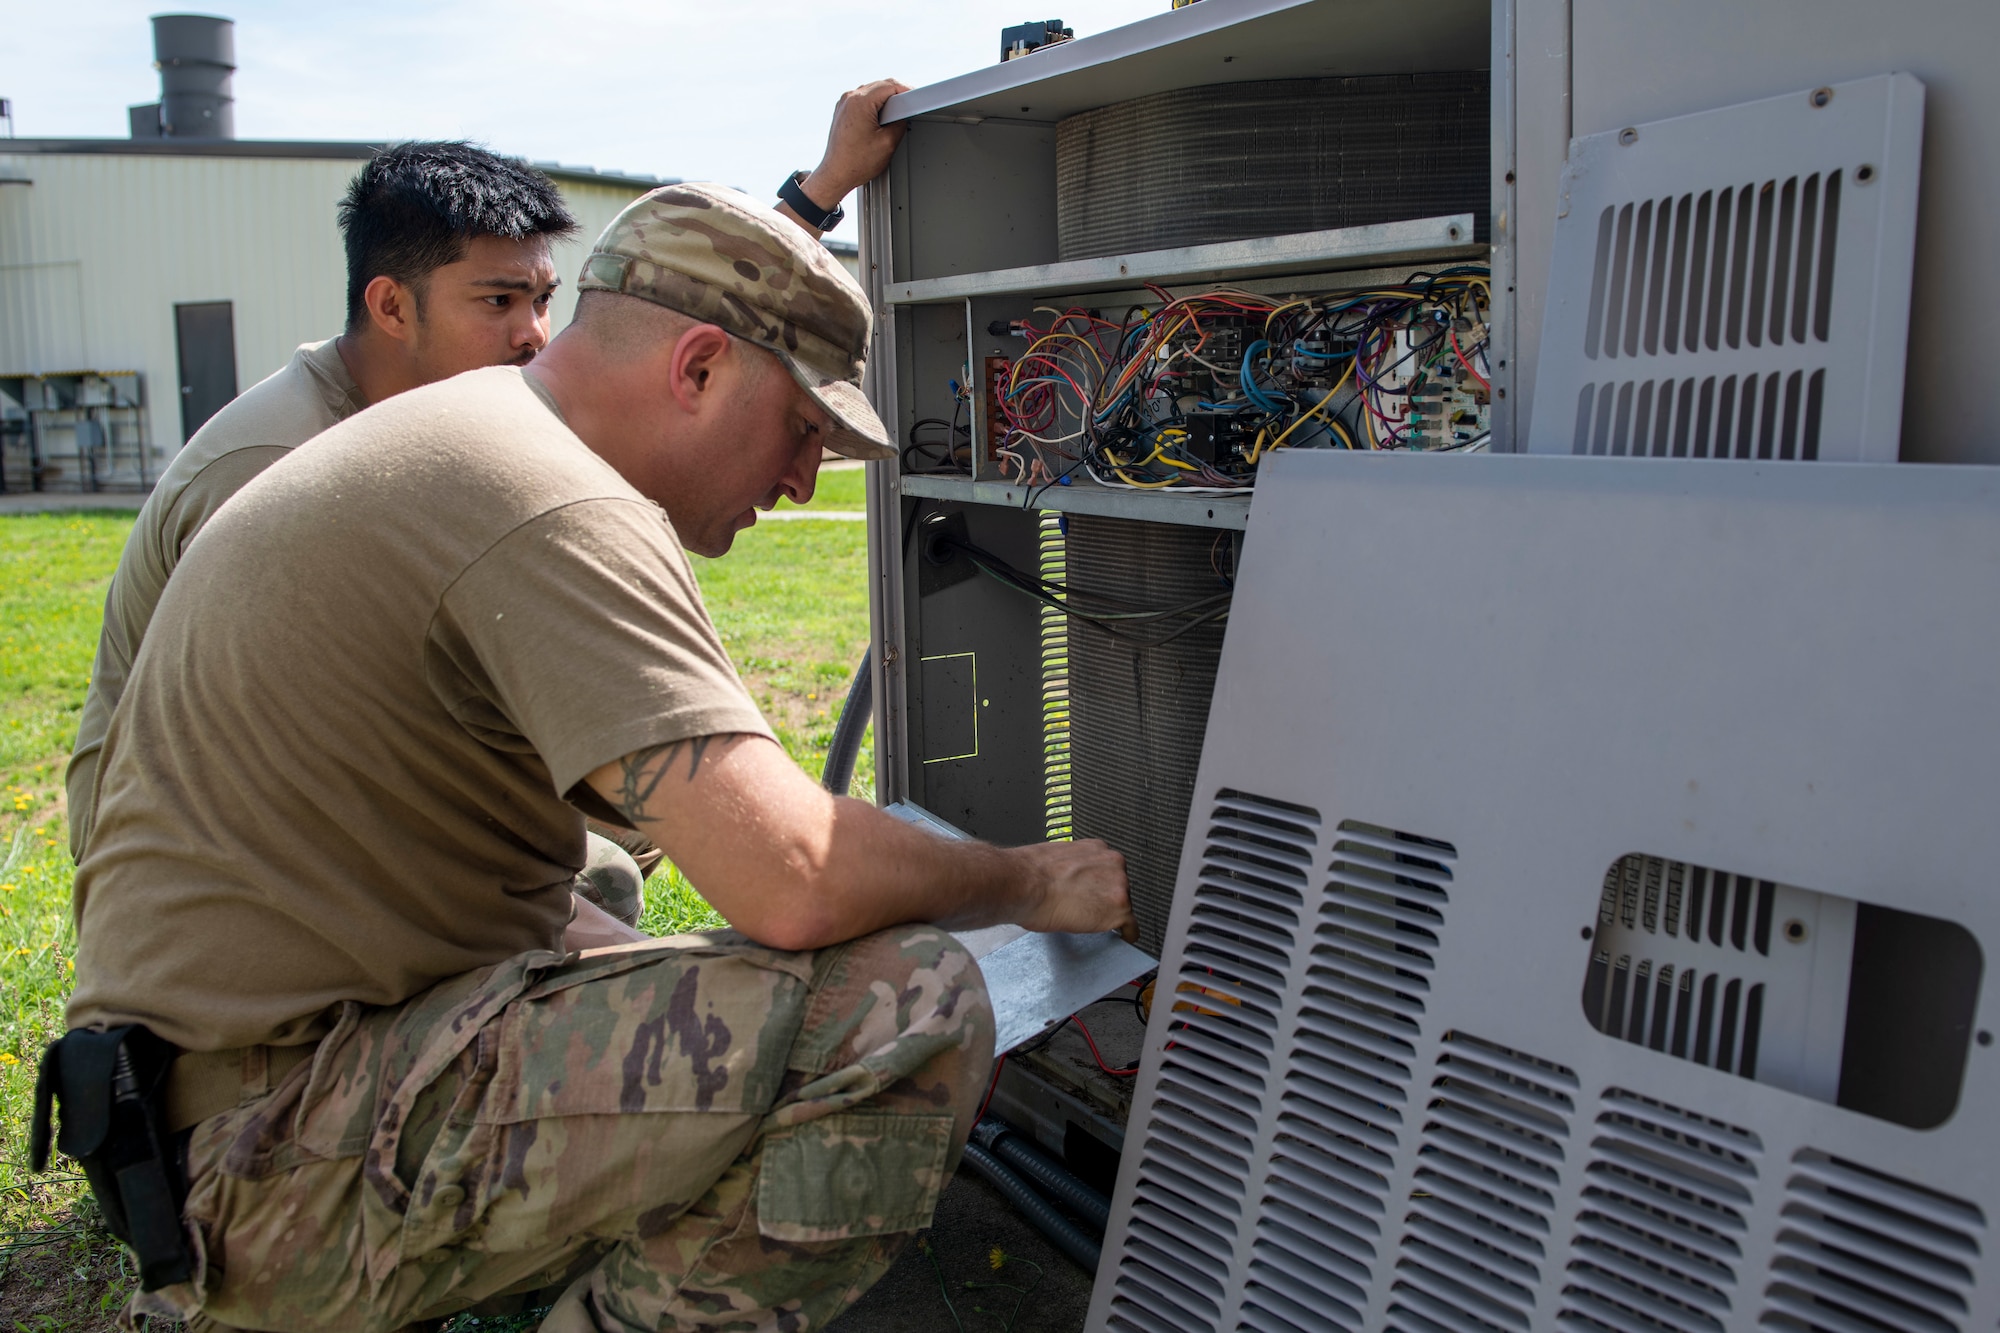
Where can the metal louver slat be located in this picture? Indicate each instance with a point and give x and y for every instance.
(1360, 1113)
(1862, 1249)
(1925, 1271)
(1393, 1005)
(1488, 1163)
(1952, 1224)
(1347, 1231)
(1605, 1227)
(1228, 821)
(1663, 1184)
(1336, 1249)
(1514, 1257)
(1673, 1159)
(1220, 1049)
(1788, 1309)
(1598, 1298)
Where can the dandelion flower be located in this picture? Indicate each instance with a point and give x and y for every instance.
(9, 1058)
(996, 1259)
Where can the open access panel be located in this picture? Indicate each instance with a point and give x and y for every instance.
(1110, 278)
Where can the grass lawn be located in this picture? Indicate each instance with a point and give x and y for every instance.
(790, 602)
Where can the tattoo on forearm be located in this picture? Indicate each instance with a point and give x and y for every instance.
(642, 772)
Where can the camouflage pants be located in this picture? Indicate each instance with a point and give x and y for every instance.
(691, 1133)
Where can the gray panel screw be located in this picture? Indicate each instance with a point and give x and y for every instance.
(1820, 96)
(1627, 137)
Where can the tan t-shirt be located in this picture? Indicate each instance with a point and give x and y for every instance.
(312, 392)
(339, 769)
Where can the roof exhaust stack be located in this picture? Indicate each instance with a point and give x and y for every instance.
(195, 54)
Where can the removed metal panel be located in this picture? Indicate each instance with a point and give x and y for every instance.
(1496, 743)
(1736, 284)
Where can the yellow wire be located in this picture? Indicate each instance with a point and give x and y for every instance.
(1257, 449)
(1279, 311)
(1118, 468)
(1074, 337)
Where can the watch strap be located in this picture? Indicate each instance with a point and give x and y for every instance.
(823, 218)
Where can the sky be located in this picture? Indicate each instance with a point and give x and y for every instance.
(737, 91)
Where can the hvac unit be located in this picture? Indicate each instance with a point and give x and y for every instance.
(1563, 872)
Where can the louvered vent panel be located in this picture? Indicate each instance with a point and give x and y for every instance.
(1660, 1232)
(1477, 1233)
(1243, 933)
(1735, 283)
(1864, 1252)
(1346, 1092)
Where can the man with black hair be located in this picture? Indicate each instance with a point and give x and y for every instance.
(448, 270)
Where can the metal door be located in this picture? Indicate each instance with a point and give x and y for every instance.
(206, 334)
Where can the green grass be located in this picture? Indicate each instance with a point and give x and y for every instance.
(790, 602)
(53, 571)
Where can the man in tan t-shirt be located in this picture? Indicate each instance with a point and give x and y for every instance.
(448, 270)
(339, 810)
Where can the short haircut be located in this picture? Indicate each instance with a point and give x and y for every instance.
(417, 207)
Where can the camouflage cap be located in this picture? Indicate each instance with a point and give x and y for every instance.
(715, 255)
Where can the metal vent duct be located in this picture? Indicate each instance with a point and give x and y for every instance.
(1136, 714)
(196, 55)
(1237, 160)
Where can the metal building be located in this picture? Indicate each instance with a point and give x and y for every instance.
(176, 272)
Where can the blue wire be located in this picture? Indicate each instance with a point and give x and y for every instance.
(1249, 380)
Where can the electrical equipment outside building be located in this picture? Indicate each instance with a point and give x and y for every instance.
(1025, 38)
(1564, 901)
(80, 431)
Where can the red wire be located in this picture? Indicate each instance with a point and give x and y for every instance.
(1467, 364)
(1115, 1073)
(998, 1065)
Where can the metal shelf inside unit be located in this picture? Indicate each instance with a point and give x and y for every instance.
(1087, 497)
(1416, 241)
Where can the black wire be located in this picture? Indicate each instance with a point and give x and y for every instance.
(1203, 612)
(951, 444)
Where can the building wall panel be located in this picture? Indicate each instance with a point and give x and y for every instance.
(97, 251)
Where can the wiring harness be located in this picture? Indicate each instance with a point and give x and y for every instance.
(1192, 392)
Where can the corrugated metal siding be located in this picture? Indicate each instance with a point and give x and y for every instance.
(594, 206)
(147, 233)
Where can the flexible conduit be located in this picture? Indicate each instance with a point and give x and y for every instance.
(1064, 1234)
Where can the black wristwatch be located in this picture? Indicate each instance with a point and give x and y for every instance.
(826, 219)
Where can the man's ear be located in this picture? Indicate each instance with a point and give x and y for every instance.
(392, 307)
(695, 358)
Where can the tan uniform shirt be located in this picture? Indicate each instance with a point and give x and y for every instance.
(311, 393)
(338, 772)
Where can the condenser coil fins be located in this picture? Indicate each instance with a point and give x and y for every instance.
(1233, 161)
(1138, 712)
